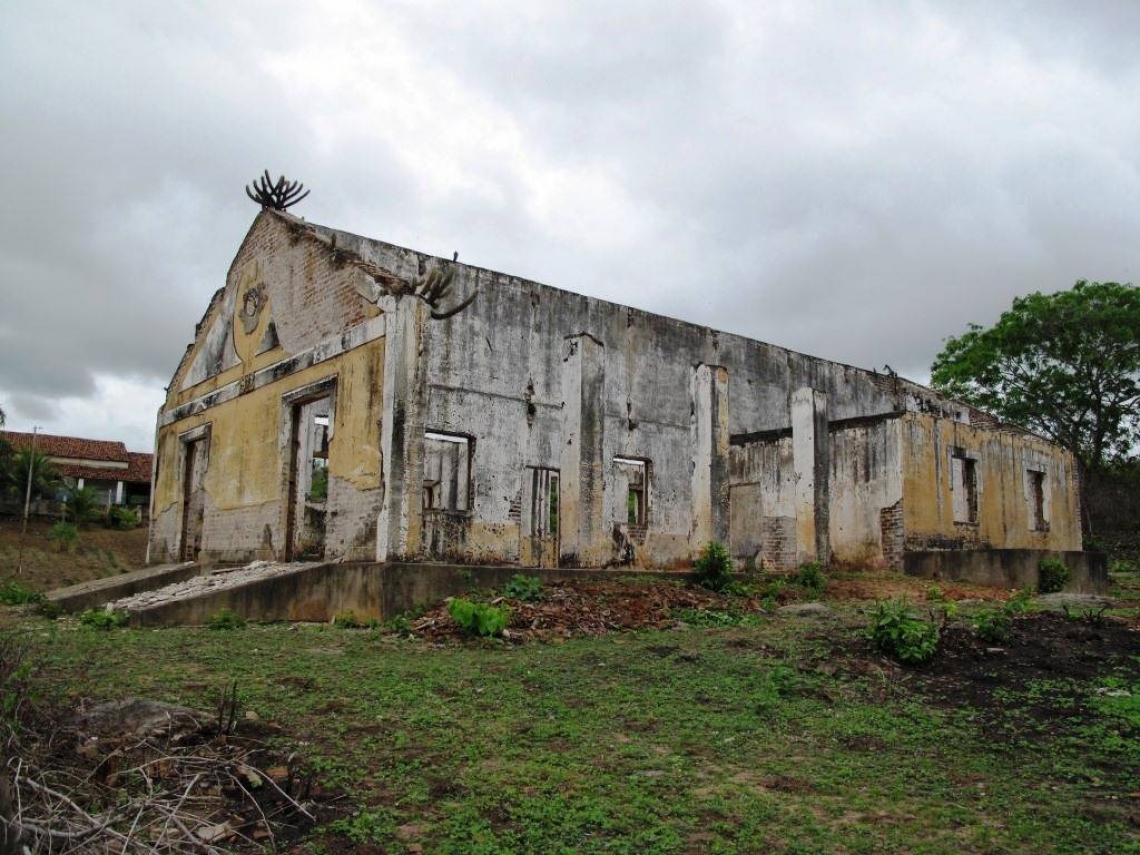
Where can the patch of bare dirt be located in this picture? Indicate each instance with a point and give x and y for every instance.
(907, 588)
(1041, 646)
(100, 552)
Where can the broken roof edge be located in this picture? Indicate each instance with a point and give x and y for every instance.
(335, 240)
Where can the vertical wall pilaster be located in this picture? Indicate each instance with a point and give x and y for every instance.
(810, 458)
(584, 541)
(709, 426)
(399, 531)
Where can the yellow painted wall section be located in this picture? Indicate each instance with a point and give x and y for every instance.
(1005, 506)
(249, 444)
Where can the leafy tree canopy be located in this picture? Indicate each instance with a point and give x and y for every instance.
(22, 464)
(1065, 365)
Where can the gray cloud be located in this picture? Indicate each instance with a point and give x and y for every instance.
(853, 181)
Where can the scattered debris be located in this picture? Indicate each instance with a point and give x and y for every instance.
(142, 776)
(206, 583)
(579, 608)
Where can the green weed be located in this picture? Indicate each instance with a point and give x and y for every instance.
(523, 587)
(104, 620)
(713, 567)
(1052, 575)
(226, 620)
(478, 618)
(896, 632)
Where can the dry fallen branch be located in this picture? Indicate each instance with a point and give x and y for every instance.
(168, 785)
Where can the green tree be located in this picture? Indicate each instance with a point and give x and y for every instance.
(82, 504)
(45, 480)
(1064, 365)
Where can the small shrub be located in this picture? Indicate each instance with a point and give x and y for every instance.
(64, 535)
(122, 518)
(713, 567)
(1019, 602)
(896, 632)
(83, 505)
(347, 620)
(1052, 575)
(934, 594)
(15, 594)
(105, 620)
(523, 587)
(478, 618)
(226, 619)
(992, 625)
(810, 577)
(947, 608)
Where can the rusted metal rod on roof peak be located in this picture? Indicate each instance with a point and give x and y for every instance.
(277, 195)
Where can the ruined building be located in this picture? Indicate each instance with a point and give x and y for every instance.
(335, 405)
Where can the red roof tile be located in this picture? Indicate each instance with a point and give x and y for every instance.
(136, 471)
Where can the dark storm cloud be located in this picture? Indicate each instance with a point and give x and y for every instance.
(856, 181)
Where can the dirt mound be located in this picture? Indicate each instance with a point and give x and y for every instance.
(579, 608)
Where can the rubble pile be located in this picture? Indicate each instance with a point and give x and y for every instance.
(581, 608)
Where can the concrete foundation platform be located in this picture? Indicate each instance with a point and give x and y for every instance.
(318, 592)
(1008, 568)
(91, 595)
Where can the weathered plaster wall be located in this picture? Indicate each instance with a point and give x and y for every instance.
(1004, 508)
(497, 372)
(769, 499)
(762, 526)
(742, 441)
(313, 304)
(865, 484)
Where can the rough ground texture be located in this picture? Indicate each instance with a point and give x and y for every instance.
(727, 730)
(141, 776)
(1045, 649)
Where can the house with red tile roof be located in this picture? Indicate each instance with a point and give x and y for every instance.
(120, 477)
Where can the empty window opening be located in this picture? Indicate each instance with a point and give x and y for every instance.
(964, 472)
(447, 471)
(634, 472)
(1037, 516)
(308, 491)
(544, 503)
(319, 459)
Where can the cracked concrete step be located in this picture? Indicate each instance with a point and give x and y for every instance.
(263, 590)
(93, 594)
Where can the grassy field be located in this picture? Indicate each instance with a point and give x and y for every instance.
(781, 734)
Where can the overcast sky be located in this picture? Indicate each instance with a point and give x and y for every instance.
(853, 180)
